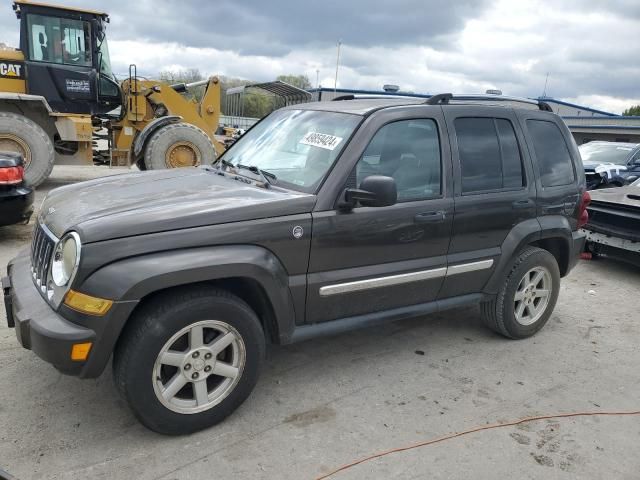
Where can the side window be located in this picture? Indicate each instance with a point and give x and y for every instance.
(636, 158)
(408, 151)
(552, 153)
(59, 40)
(489, 154)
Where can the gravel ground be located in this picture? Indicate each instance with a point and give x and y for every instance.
(326, 402)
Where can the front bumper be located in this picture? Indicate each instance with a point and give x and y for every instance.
(16, 205)
(38, 327)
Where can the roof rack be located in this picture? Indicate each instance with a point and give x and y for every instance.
(445, 98)
(357, 96)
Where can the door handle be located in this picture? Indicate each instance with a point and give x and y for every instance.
(429, 217)
(522, 204)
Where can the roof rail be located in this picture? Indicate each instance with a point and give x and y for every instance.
(446, 98)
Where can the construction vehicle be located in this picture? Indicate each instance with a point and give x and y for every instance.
(57, 90)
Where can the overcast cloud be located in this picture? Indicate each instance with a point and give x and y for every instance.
(590, 48)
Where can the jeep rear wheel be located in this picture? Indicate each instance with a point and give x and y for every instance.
(189, 360)
(527, 297)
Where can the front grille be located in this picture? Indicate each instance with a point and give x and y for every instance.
(42, 247)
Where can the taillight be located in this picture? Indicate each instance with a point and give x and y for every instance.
(11, 175)
(583, 214)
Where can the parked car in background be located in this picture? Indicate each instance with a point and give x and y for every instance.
(610, 164)
(614, 223)
(16, 199)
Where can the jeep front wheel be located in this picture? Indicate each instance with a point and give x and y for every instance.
(188, 361)
(527, 297)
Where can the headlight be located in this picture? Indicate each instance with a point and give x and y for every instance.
(65, 259)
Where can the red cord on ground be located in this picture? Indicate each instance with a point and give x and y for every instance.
(473, 430)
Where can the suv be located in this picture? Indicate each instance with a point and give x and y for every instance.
(323, 217)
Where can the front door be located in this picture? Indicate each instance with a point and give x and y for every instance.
(372, 259)
(59, 60)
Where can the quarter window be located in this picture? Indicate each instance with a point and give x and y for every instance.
(408, 151)
(552, 154)
(59, 40)
(489, 154)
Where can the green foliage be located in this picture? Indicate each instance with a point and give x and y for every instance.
(300, 81)
(188, 75)
(633, 111)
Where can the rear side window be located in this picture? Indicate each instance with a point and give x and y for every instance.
(552, 153)
(489, 154)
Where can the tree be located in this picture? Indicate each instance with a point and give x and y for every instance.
(633, 111)
(188, 75)
(300, 81)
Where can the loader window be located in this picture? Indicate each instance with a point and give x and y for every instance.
(59, 40)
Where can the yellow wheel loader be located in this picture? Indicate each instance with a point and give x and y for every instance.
(58, 89)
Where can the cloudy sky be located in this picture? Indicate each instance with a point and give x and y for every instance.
(589, 48)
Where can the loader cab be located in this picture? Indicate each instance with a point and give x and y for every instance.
(67, 58)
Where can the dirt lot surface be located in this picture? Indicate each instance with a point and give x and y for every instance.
(326, 402)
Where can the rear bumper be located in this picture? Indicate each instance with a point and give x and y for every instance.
(577, 247)
(16, 205)
(38, 327)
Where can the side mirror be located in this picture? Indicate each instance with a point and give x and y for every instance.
(374, 191)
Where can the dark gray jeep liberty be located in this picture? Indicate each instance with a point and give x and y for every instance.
(323, 217)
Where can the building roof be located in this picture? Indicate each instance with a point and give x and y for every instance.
(573, 105)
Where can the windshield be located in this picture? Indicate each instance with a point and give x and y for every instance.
(605, 152)
(297, 146)
(105, 60)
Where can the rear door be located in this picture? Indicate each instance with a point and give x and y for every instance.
(372, 259)
(493, 192)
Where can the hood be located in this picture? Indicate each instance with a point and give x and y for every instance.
(628, 196)
(148, 202)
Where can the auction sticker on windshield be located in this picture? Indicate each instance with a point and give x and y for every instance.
(322, 140)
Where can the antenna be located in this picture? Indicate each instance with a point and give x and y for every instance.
(544, 92)
(335, 83)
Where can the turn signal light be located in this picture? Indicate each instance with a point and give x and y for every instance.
(86, 303)
(80, 351)
(11, 175)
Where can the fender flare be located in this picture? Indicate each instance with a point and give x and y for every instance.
(152, 127)
(130, 280)
(524, 233)
(24, 97)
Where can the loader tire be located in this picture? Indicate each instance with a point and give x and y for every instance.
(22, 135)
(178, 145)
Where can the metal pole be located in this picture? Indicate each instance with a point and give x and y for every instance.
(318, 78)
(335, 83)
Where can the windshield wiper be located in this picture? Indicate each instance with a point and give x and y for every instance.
(266, 176)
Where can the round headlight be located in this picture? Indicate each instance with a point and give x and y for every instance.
(65, 259)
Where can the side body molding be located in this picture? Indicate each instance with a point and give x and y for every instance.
(129, 280)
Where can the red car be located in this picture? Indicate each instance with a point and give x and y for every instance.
(16, 198)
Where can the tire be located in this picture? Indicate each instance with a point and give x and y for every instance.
(178, 145)
(22, 135)
(501, 313)
(142, 374)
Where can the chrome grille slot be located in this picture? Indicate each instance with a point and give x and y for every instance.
(42, 247)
